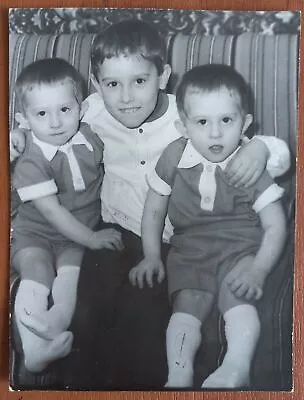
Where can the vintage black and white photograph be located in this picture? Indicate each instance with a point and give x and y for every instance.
(153, 182)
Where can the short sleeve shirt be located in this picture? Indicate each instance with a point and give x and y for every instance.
(48, 170)
(200, 194)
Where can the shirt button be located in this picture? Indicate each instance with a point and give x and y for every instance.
(140, 130)
(143, 162)
(207, 199)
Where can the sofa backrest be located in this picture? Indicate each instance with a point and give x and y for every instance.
(268, 63)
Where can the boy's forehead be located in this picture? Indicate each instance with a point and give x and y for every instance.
(34, 93)
(203, 94)
(125, 63)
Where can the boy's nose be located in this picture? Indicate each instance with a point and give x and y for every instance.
(55, 120)
(215, 131)
(126, 94)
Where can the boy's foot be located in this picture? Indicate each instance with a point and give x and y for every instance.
(228, 376)
(48, 351)
(41, 325)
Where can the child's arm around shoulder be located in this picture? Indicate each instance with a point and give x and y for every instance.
(255, 155)
(65, 223)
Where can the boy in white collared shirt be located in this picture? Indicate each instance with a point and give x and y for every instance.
(58, 179)
(226, 240)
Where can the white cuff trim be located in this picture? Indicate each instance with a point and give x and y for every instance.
(157, 184)
(270, 195)
(279, 160)
(37, 191)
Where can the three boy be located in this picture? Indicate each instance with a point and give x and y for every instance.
(135, 119)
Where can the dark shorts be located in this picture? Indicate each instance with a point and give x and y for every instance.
(201, 260)
(25, 239)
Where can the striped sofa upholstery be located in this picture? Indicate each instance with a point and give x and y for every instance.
(269, 64)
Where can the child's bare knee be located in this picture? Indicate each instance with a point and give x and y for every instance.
(194, 302)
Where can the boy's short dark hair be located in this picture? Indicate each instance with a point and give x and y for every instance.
(48, 71)
(129, 37)
(211, 77)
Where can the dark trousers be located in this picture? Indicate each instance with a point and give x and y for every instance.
(119, 330)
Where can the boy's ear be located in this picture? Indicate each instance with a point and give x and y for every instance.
(179, 125)
(164, 77)
(84, 108)
(95, 84)
(247, 123)
(22, 121)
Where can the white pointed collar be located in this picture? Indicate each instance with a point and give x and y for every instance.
(49, 150)
(191, 157)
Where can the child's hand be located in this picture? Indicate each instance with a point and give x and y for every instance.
(106, 239)
(248, 164)
(17, 143)
(248, 284)
(145, 270)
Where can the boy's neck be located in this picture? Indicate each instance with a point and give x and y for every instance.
(160, 108)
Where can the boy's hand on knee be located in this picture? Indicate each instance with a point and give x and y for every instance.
(106, 239)
(145, 271)
(248, 285)
(17, 143)
(248, 164)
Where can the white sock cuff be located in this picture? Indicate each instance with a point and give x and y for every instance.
(241, 312)
(184, 318)
(33, 286)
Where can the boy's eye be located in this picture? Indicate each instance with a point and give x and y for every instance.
(65, 109)
(140, 81)
(112, 84)
(202, 121)
(226, 120)
(41, 113)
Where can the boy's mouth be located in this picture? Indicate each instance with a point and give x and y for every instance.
(58, 134)
(216, 148)
(129, 110)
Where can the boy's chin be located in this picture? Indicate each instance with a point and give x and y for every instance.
(132, 120)
(131, 123)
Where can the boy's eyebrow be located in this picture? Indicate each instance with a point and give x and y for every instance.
(133, 76)
(39, 107)
(204, 116)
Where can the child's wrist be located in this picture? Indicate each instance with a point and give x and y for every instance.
(152, 256)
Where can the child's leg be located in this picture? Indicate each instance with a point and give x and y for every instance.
(32, 297)
(242, 329)
(57, 319)
(183, 338)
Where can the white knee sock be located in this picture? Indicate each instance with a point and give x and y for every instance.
(31, 298)
(183, 339)
(242, 328)
(51, 323)
(31, 301)
(64, 292)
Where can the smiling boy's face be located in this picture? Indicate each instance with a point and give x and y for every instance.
(129, 86)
